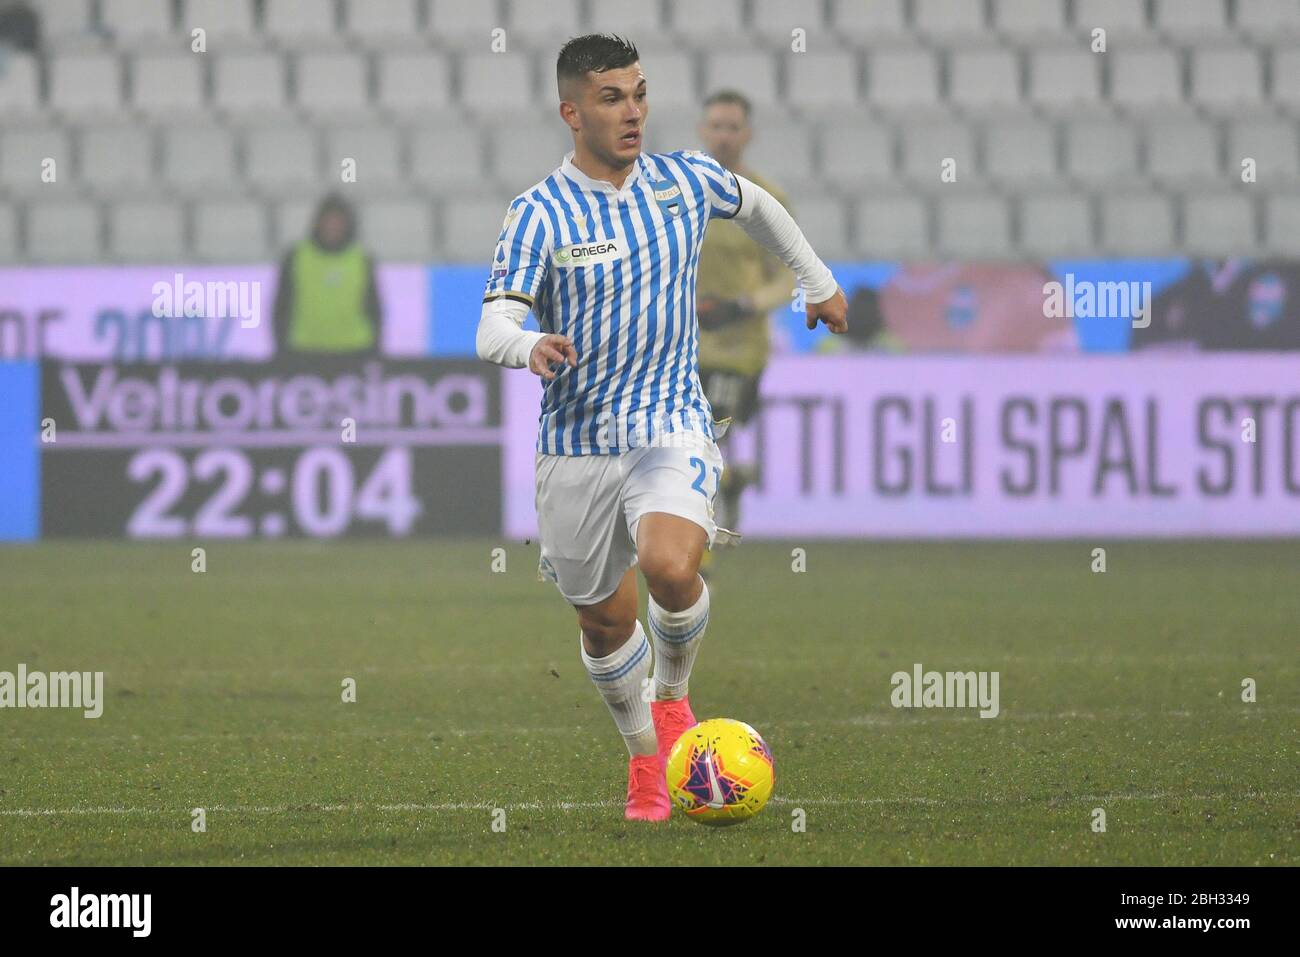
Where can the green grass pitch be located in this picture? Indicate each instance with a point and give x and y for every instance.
(1119, 690)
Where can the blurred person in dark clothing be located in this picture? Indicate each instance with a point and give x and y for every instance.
(20, 27)
(1233, 305)
(867, 330)
(327, 300)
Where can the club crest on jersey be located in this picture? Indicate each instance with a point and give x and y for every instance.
(669, 196)
(587, 254)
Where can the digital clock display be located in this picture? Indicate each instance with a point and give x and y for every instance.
(314, 449)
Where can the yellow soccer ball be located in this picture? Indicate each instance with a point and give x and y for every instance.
(720, 772)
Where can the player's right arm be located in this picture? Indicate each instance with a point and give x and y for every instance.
(519, 267)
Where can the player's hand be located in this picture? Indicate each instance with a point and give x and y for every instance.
(550, 349)
(834, 312)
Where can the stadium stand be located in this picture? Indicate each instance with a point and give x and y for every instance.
(1056, 147)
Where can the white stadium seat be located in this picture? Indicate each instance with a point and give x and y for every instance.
(279, 157)
(1145, 79)
(1186, 20)
(828, 81)
(517, 169)
(117, 157)
(226, 23)
(880, 23)
(826, 224)
(973, 227)
(414, 83)
(198, 158)
(1226, 80)
(1271, 142)
(398, 230)
(670, 80)
(249, 83)
(60, 231)
(9, 246)
(704, 26)
(449, 158)
(301, 23)
(1101, 152)
(856, 155)
(382, 23)
(461, 25)
(637, 20)
(775, 20)
(146, 231)
(985, 78)
(136, 22)
(1282, 223)
(20, 86)
(63, 20)
(544, 26)
(1219, 224)
(376, 150)
(784, 153)
(893, 227)
(332, 84)
(1020, 151)
(1030, 21)
(1136, 224)
(926, 148)
(1056, 224)
(1065, 79)
(493, 83)
(949, 20)
(470, 228)
(752, 72)
(1123, 20)
(23, 151)
(85, 83)
(1180, 152)
(1269, 21)
(168, 83)
(903, 80)
(230, 231)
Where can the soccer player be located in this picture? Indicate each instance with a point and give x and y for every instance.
(739, 284)
(604, 251)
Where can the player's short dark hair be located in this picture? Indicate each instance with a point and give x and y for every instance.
(734, 97)
(595, 52)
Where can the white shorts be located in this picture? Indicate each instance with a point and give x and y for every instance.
(588, 508)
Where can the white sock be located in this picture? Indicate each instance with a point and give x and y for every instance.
(619, 677)
(677, 637)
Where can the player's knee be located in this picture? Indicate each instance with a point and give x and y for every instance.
(610, 622)
(668, 571)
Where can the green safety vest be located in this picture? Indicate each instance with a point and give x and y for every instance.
(329, 300)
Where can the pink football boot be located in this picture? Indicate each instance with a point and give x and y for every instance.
(672, 719)
(647, 791)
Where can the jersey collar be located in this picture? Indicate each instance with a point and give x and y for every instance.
(600, 185)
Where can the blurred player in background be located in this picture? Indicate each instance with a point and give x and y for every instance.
(739, 283)
(604, 251)
(327, 300)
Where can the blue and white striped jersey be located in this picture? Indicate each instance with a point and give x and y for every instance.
(614, 270)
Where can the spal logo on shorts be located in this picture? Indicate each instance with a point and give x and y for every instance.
(588, 254)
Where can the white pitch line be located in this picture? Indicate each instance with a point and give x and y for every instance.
(590, 805)
(906, 717)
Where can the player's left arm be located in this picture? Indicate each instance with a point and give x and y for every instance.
(768, 223)
(765, 220)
